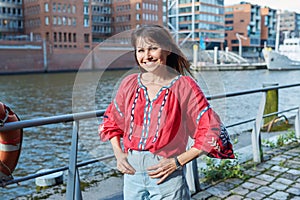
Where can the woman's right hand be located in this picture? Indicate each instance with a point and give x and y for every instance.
(123, 164)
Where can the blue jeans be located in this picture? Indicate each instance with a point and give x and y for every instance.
(141, 187)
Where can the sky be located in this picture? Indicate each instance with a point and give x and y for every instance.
(290, 5)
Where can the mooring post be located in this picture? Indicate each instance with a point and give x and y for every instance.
(271, 102)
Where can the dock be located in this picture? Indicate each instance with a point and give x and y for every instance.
(228, 67)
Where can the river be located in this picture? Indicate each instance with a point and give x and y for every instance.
(41, 95)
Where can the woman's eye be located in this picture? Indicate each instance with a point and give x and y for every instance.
(140, 50)
(154, 48)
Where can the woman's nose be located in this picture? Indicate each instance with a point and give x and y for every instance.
(148, 54)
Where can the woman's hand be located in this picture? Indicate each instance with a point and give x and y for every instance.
(122, 163)
(163, 169)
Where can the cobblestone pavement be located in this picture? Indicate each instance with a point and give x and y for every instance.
(277, 177)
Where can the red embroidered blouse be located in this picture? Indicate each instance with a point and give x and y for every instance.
(163, 125)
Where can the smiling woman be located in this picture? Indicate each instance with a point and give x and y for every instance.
(156, 112)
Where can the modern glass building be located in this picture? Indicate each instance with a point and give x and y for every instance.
(11, 19)
(195, 21)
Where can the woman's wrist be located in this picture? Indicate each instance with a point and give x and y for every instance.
(178, 164)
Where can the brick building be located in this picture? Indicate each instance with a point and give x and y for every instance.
(243, 27)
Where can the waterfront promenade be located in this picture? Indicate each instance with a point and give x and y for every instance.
(276, 178)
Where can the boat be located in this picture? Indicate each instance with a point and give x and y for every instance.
(286, 58)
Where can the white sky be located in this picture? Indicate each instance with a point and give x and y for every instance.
(290, 5)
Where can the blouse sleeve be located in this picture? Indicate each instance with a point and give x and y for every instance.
(208, 131)
(113, 118)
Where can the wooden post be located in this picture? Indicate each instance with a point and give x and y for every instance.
(271, 102)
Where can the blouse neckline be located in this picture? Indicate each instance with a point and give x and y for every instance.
(161, 89)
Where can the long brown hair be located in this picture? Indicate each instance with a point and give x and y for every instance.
(162, 36)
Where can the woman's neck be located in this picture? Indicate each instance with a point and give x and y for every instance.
(161, 76)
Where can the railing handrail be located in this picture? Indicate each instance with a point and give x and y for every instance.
(76, 117)
(98, 113)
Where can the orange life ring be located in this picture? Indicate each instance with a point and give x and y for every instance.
(10, 144)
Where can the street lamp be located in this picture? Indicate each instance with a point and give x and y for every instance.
(239, 37)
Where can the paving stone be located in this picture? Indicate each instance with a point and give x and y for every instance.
(279, 159)
(258, 181)
(284, 181)
(297, 185)
(294, 172)
(280, 195)
(202, 195)
(273, 173)
(265, 165)
(295, 198)
(240, 190)
(214, 198)
(293, 190)
(218, 192)
(265, 177)
(251, 172)
(266, 190)
(279, 169)
(289, 176)
(278, 186)
(235, 197)
(225, 186)
(234, 181)
(250, 186)
(256, 195)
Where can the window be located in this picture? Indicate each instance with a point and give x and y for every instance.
(137, 6)
(47, 20)
(86, 38)
(86, 22)
(46, 7)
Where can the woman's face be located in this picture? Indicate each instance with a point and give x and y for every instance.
(150, 55)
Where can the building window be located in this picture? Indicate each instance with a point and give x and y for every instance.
(46, 7)
(54, 37)
(59, 37)
(86, 22)
(86, 38)
(54, 7)
(74, 38)
(54, 20)
(138, 16)
(138, 6)
(65, 37)
(47, 20)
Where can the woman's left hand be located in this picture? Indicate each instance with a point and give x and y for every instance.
(163, 169)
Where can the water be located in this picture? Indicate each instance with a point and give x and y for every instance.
(43, 95)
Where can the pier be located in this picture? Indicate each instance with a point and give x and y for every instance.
(273, 163)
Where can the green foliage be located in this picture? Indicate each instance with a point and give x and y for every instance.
(281, 140)
(222, 169)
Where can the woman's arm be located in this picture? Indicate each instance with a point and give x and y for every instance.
(168, 165)
(122, 163)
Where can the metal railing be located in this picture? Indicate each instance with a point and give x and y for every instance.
(73, 181)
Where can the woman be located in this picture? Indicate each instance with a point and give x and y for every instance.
(155, 112)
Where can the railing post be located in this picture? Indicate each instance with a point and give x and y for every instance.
(256, 137)
(73, 185)
(297, 125)
(192, 177)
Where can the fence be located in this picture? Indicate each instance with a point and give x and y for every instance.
(73, 181)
